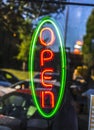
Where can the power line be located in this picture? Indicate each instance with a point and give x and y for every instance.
(64, 3)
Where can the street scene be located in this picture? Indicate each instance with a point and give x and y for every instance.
(47, 65)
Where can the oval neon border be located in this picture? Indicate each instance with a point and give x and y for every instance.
(63, 66)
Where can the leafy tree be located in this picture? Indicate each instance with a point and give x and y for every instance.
(16, 24)
(12, 13)
(36, 9)
(11, 18)
(88, 47)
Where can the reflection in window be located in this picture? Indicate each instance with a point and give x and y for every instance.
(83, 1)
(14, 100)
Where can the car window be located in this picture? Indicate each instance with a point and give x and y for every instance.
(14, 100)
(8, 76)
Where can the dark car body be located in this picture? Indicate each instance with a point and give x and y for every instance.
(23, 115)
(4, 128)
(17, 112)
(4, 82)
(9, 76)
(14, 110)
(23, 84)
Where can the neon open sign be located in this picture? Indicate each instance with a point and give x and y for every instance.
(47, 27)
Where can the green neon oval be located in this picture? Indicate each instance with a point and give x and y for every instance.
(63, 66)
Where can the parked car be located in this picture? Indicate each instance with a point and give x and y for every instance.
(9, 76)
(15, 109)
(4, 128)
(4, 82)
(19, 113)
(23, 84)
(77, 88)
(6, 90)
(5, 86)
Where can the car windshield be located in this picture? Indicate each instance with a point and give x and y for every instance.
(15, 100)
(17, 105)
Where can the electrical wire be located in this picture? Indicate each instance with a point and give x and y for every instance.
(43, 2)
(67, 3)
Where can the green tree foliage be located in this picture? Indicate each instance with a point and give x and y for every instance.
(88, 47)
(34, 10)
(11, 19)
(24, 49)
(25, 37)
(14, 12)
(11, 16)
(16, 25)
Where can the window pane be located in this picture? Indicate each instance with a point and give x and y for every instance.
(83, 1)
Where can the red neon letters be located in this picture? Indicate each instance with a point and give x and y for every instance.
(44, 94)
(46, 55)
(42, 42)
(46, 77)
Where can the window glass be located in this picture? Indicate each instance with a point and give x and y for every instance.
(83, 1)
(77, 24)
(14, 100)
(75, 19)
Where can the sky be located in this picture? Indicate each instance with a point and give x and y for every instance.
(76, 25)
(78, 17)
(83, 1)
